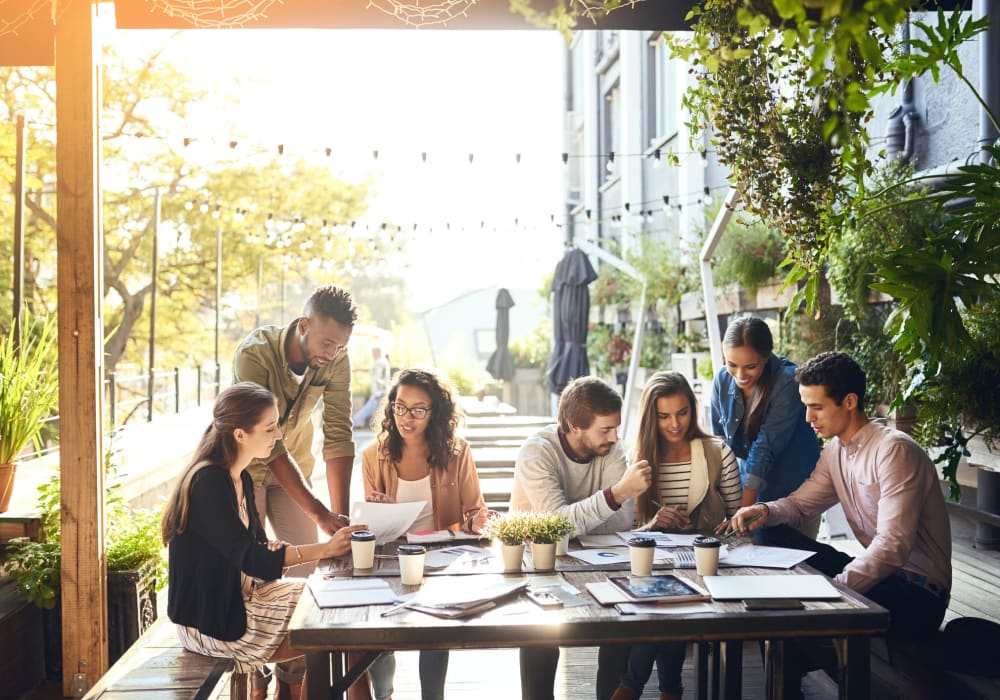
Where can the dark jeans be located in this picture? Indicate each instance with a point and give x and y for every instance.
(538, 671)
(913, 611)
(669, 658)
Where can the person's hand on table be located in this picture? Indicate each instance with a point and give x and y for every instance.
(330, 523)
(379, 497)
(671, 518)
(340, 543)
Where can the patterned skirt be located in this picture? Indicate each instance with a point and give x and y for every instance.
(269, 610)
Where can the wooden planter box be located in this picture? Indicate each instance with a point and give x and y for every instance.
(527, 393)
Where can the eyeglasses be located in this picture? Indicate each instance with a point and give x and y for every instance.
(418, 412)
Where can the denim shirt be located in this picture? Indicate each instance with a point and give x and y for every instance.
(785, 450)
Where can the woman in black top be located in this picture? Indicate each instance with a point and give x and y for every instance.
(226, 595)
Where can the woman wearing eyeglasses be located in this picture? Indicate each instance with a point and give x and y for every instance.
(418, 457)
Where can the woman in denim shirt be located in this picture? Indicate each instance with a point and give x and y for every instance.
(756, 408)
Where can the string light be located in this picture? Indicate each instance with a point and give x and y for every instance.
(421, 13)
(215, 14)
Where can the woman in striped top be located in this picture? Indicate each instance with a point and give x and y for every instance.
(695, 488)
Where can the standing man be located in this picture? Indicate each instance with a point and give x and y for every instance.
(304, 364)
(379, 374)
(578, 468)
(890, 493)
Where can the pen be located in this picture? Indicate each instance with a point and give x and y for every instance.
(733, 533)
(395, 609)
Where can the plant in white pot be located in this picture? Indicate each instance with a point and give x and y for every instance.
(510, 529)
(29, 390)
(545, 530)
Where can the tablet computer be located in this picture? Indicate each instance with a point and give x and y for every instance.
(661, 587)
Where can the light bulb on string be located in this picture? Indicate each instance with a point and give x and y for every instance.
(216, 213)
(189, 205)
(203, 208)
(611, 162)
(657, 160)
(565, 158)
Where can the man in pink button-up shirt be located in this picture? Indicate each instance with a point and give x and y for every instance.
(890, 493)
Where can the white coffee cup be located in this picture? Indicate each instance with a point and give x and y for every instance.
(363, 549)
(706, 555)
(641, 551)
(411, 564)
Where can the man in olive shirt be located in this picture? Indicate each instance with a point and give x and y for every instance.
(304, 364)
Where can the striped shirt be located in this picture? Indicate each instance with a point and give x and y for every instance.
(674, 479)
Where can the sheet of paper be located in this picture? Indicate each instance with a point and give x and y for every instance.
(601, 541)
(615, 555)
(805, 587)
(440, 558)
(663, 539)
(433, 536)
(764, 557)
(350, 592)
(389, 521)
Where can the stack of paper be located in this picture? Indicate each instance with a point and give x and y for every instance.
(349, 592)
(432, 536)
(453, 602)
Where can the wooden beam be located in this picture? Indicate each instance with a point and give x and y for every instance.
(78, 212)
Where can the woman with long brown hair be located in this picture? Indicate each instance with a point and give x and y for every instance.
(695, 487)
(226, 595)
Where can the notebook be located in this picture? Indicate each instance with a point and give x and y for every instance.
(804, 587)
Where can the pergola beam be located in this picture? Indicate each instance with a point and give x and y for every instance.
(78, 246)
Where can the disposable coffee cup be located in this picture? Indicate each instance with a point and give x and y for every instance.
(363, 549)
(706, 555)
(641, 550)
(411, 564)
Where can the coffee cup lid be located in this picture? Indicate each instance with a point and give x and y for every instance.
(642, 542)
(707, 541)
(405, 549)
(363, 535)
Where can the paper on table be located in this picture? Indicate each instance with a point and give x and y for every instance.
(602, 541)
(387, 520)
(763, 557)
(613, 555)
(440, 558)
(663, 539)
(432, 536)
(350, 592)
(805, 587)
(668, 609)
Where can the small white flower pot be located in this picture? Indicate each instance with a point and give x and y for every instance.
(513, 556)
(543, 556)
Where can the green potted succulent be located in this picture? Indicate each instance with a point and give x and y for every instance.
(136, 570)
(546, 530)
(29, 390)
(511, 529)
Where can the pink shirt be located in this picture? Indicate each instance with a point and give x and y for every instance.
(890, 492)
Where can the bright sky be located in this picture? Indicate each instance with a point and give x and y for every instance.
(404, 92)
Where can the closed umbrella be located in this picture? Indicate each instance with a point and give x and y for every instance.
(570, 312)
(500, 365)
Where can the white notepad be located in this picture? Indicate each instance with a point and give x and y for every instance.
(350, 592)
(804, 587)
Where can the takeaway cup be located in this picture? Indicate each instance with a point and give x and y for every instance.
(706, 555)
(363, 549)
(411, 564)
(641, 550)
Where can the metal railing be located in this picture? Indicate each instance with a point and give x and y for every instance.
(142, 397)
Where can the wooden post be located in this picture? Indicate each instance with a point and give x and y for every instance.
(18, 316)
(79, 249)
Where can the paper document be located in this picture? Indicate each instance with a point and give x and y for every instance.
(440, 558)
(433, 536)
(663, 539)
(389, 521)
(615, 555)
(457, 599)
(602, 541)
(804, 587)
(763, 557)
(668, 609)
(349, 592)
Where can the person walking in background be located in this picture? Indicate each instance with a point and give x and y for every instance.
(305, 365)
(891, 495)
(577, 467)
(756, 408)
(379, 374)
(418, 457)
(695, 487)
(226, 594)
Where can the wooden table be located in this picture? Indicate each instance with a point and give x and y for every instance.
(323, 633)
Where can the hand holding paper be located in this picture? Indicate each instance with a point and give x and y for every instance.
(389, 521)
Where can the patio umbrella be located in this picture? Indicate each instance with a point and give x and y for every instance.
(500, 365)
(570, 310)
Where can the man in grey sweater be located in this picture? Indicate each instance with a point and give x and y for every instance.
(578, 468)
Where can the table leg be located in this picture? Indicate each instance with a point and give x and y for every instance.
(774, 669)
(716, 669)
(853, 667)
(701, 670)
(318, 675)
(730, 662)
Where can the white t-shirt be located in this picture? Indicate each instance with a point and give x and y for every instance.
(419, 490)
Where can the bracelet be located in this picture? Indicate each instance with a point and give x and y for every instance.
(297, 552)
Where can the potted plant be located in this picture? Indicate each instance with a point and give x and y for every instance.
(546, 530)
(511, 529)
(136, 570)
(29, 390)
